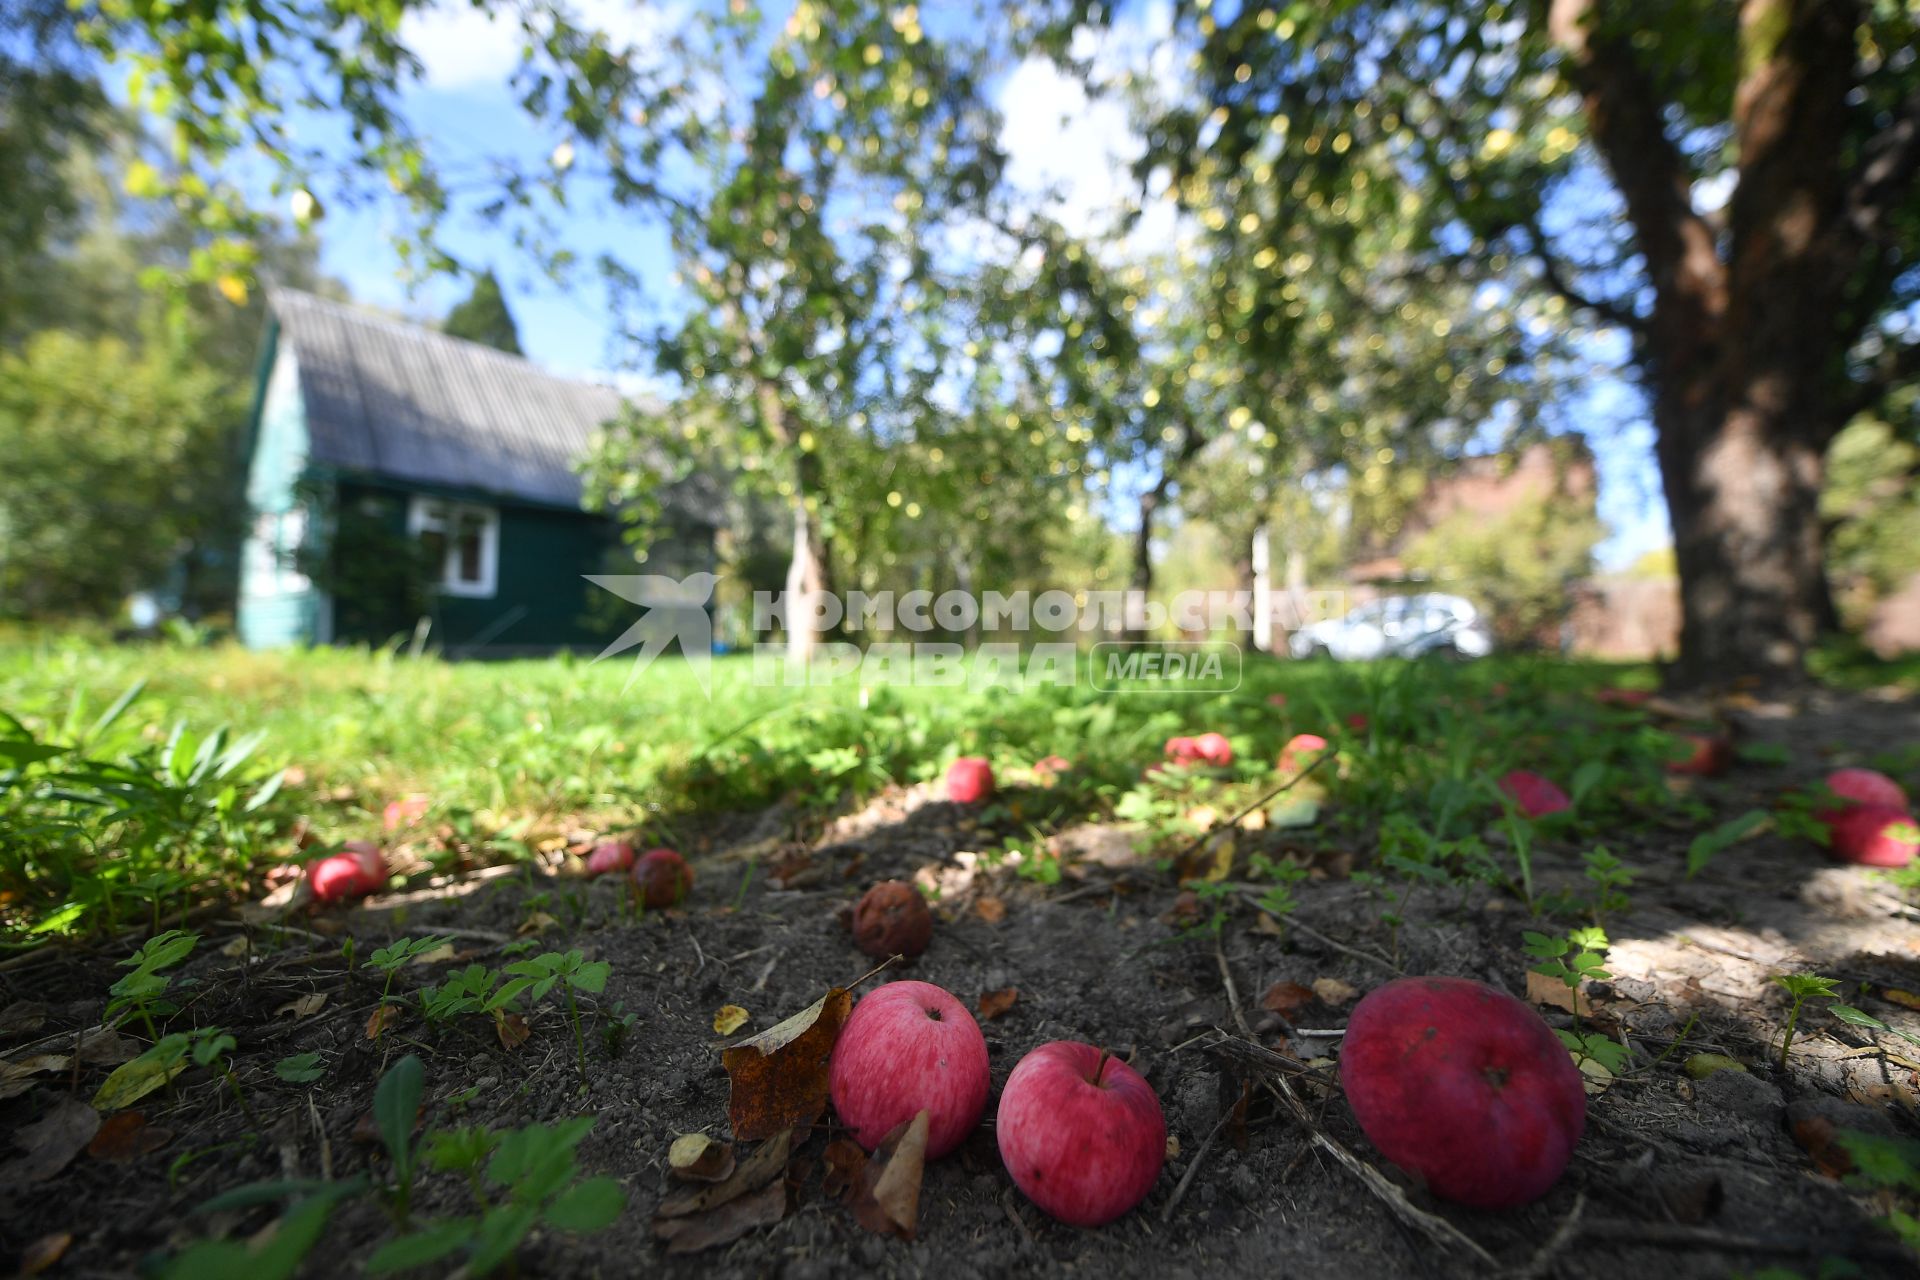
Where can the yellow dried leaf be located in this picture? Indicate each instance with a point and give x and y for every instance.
(730, 1019)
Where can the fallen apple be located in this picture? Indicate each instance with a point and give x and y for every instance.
(969, 781)
(892, 919)
(1051, 765)
(1873, 835)
(1207, 749)
(405, 813)
(908, 1047)
(1465, 1087)
(662, 878)
(1534, 795)
(1865, 786)
(356, 871)
(1708, 757)
(1080, 1132)
(1300, 751)
(610, 855)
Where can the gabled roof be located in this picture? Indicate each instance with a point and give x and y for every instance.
(406, 403)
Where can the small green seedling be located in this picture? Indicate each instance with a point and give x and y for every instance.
(1571, 960)
(390, 958)
(1802, 987)
(1610, 879)
(139, 994)
(1709, 845)
(573, 974)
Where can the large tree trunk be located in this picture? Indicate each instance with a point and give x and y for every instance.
(807, 582)
(1745, 344)
(1743, 492)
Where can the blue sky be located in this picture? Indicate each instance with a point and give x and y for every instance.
(1061, 142)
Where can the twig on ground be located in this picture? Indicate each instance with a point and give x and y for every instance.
(1338, 945)
(760, 983)
(1542, 1261)
(1435, 1228)
(1013, 1212)
(694, 939)
(1205, 838)
(1186, 1179)
(1673, 1235)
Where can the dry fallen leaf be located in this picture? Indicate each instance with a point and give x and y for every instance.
(44, 1252)
(995, 1003)
(512, 1030)
(51, 1143)
(1335, 992)
(240, 945)
(778, 1079)
(990, 909)
(537, 923)
(17, 1077)
(887, 1198)
(1287, 998)
(1554, 993)
(380, 1019)
(694, 1157)
(132, 1081)
(753, 1195)
(436, 956)
(127, 1136)
(305, 1007)
(108, 1048)
(730, 1019)
(1905, 999)
(845, 1162)
(22, 1018)
(726, 1222)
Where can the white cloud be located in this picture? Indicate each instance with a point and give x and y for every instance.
(462, 47)
(1072, 153)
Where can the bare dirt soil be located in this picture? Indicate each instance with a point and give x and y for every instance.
(1675, 1176)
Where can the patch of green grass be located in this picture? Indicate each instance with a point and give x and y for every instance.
(504, 751)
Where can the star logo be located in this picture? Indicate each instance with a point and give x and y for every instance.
(675, 609)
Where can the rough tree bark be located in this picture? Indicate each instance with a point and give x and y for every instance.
(1743, 349)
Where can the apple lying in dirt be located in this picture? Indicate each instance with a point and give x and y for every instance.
(1465, 1087)
(1873, 835)
(1300, 751)
(1533, 795)
(356, 871)
(969, 781)
(1709, 756)
(908, 1047)
(662, 878)
(610, 855)
(1207, 749)
(1080, 1132)
(1865, 786)
(891, 919)
(404, 813)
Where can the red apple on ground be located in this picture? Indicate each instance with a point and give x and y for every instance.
(662, 878)
(909, 1047)
(1300, 751)
(610, 855)
(1465, 1087)
(356, 871)
(1207, 749)
(1865, 786)
(1081, 1133)
(969, 781)
(405, 813)
(1533, 795)
(1709, 756)
(1872, 835)
(892, 919)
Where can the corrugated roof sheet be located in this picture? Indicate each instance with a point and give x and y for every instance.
(408, 403)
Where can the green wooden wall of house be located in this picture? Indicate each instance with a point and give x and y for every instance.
(364, 538)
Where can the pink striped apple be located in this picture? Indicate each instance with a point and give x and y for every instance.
(1081, 1133)
(910, 1047)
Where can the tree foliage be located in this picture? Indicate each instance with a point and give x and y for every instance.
(107, 479)
(483, 317)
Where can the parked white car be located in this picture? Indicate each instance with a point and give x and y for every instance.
(1398, 627)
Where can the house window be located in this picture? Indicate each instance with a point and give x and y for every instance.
(463, 540)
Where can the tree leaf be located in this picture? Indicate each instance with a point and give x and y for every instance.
(886, 1199)
(396, 1105)
(134, 1080)
(778, 1079)
(51, 1143)
(587, 1206)
(417, 1249)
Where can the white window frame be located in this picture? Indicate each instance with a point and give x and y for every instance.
(440, 516)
